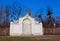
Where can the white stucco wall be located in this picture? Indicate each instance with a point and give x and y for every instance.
(37, 29)
(15, 29)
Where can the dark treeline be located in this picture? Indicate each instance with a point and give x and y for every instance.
(11, 13)
(8, 15)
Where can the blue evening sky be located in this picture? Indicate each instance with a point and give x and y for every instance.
(35, 5)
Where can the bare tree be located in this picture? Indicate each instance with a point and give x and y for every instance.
(50, 18)
(16, 11)
(0, 16)
(19, 10)
(13, 16)
(57, 21)
(39, 16)
(7, 16)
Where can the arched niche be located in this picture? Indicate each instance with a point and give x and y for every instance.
(27, 26)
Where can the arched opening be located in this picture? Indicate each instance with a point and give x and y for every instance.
(27, 27)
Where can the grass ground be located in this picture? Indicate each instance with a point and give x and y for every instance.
(36, 38)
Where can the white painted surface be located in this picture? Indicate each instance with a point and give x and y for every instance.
(27, 27)
(37, 29)
(15, 30)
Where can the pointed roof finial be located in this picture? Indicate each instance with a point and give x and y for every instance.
(28, 11)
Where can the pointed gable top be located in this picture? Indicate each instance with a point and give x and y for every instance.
(28, 12)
